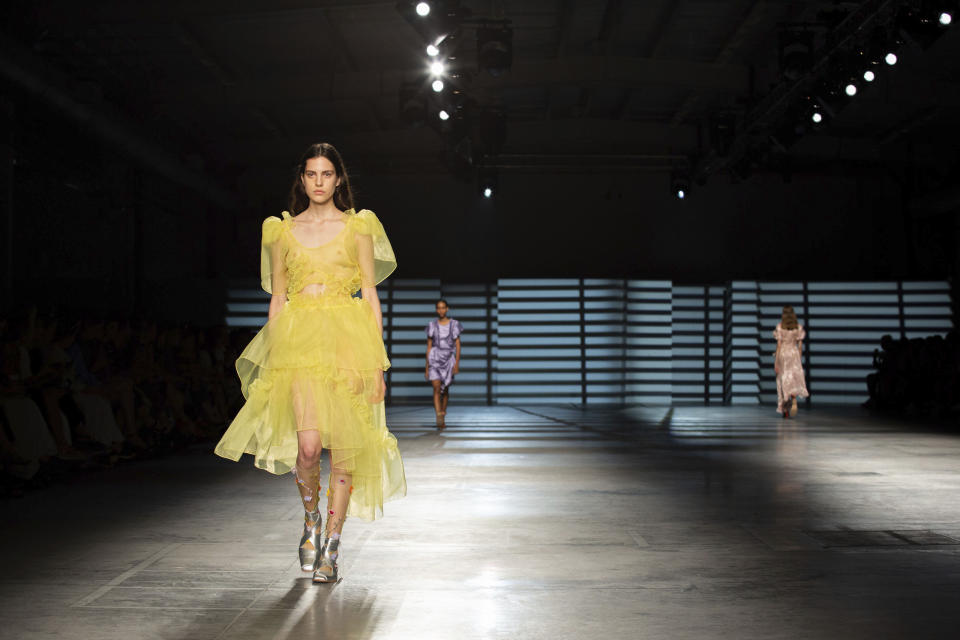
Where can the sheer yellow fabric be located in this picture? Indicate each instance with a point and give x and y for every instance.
(367, 261)
(317, 364)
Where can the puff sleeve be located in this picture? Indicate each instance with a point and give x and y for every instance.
(273, 269)
(455, 329)
(431, 330)
(374, 253)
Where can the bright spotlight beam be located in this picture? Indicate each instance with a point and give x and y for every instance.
(437, 68)
(444, 115)
(890, 58)
(850, 89)
(946, 19)
(432, 50)
(869, 75)
(437, 85)
(423, 9)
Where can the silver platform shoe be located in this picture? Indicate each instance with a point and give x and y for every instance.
(327, 569)
(310, 541)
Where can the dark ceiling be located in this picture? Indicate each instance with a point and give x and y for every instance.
(247, 83)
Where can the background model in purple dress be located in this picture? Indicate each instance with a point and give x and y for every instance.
(443, 352)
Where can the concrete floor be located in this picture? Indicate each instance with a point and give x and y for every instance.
(541, 522)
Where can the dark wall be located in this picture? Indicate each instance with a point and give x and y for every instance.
(93, 230)
(818, 226)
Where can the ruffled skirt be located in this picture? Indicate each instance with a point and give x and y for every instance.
(316, 366)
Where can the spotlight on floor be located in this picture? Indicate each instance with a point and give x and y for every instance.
(869, 75)
(423, 9)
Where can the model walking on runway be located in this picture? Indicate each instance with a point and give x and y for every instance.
(313, 376)
(788, 363)
(443, 358)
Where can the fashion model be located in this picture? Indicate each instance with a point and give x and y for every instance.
(443, 358)
(788, 363)
(313, 376)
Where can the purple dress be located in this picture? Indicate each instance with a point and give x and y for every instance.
(790, 380)
(443, 353)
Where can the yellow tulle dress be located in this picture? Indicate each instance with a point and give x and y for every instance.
(317, 363)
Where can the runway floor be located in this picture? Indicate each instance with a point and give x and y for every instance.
(523, 523)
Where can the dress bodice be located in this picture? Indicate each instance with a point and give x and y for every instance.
(360, 255)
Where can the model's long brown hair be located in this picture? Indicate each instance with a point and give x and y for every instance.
(788, 319)
(342, 196)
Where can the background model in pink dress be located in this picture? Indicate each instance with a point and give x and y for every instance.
(790, 381)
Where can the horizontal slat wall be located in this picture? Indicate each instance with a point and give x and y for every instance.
(742, 343)
(649, 325)
(247, 304)
(639, 341)
(927, 308)
(604, 348)
(540, 355)
(697, 344)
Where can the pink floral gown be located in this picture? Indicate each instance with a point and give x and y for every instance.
(790, 381)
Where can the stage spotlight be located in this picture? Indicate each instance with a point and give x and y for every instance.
(437, 85)
(869, 75)
(423, 9)
(890, 58)
(437, 68)
(817, 117)
(850, 89)
(432, 50)
(924, 23)
(444, 115)
(487, 180)
(495, 49)
(679, 185)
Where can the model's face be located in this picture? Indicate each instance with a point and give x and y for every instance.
(441, 310)
(319, 180)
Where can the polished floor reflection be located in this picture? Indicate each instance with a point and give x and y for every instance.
(522, 523)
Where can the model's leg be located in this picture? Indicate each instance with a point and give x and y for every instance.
(443, 401)
(437, 407)
(307, 472)
(338, 499)
(437, 401)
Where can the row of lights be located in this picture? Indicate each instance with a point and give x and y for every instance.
(944, 18)
(931, 21)
(472, 133)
